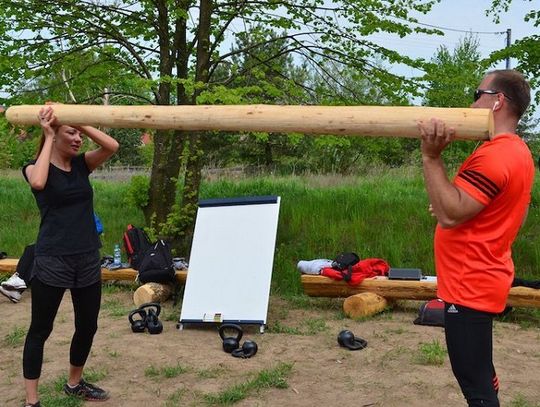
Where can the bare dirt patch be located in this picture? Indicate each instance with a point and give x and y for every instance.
(299, 351)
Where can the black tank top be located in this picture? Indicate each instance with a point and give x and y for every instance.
(67, 211)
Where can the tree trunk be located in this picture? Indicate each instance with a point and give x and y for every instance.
(190, 196)
(163, 177)
(194, 154)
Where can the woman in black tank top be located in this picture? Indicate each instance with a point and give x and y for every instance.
(67, 248)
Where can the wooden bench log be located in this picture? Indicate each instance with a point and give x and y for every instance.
(320, 286)
(129, 274)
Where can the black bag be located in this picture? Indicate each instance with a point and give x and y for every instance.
(26, 264)
(156, 264)
(431, 313)
(136, 243)
(344, 262)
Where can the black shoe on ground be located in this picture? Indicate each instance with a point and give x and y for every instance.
(87, 391)
(33, 405)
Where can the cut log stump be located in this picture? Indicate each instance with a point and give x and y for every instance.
(364, 305)
(152, 292)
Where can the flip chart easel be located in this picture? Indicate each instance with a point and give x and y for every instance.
(230, 266)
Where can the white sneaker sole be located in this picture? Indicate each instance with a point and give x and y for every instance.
(8, 286)
(7, 294)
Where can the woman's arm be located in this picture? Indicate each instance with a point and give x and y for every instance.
(38, 173)
(107, 146)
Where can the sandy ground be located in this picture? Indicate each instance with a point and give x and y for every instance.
(386, 373)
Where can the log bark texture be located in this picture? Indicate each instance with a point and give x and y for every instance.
(320, 286)
(386, 121)
(364, 305)
(8, 266)
(152, 292)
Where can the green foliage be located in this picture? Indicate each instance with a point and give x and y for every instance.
(137, 193)
(130, 151)
(16, 146)
(526, 50)
(453, 77)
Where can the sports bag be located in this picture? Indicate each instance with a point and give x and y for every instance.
(344, 262)
(156, 264)
(431, 313)
(136, 243)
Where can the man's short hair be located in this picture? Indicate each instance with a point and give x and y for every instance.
(514, 85)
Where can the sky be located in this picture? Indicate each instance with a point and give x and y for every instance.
(460, 17)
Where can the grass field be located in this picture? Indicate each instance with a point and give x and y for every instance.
(382, 214)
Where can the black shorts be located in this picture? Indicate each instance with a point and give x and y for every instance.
(70, 271)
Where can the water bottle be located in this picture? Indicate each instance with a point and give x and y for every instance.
(117, 255)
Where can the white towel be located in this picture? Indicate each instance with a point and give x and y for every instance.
(313, 266)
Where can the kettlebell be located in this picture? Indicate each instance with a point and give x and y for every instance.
(249, 349)
(137, 325)
(153, 323)
(348, 340)
(230, 343)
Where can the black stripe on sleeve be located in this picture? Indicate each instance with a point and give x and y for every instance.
(481, 182)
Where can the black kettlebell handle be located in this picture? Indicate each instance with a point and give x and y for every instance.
(232, 327)
(155, 305)
(248, 349)
(137, 311)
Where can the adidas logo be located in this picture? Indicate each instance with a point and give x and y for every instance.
(452, 309)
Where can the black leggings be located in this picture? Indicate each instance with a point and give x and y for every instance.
(45, 302)
(469, 340)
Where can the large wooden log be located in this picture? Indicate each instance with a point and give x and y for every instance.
(152, 292)
(387, 121)
(364, 305)
(9, 266)
(320, 286)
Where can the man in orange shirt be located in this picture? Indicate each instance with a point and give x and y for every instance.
(478, 217)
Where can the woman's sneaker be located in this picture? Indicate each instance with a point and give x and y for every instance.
(86, 391)
(33, 405)
(13, 295)
(14, 283)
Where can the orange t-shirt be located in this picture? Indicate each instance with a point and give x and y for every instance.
(474, 259)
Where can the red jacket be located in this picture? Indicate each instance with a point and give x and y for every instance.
(361, 270)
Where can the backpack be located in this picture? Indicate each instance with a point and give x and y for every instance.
(136, 243)
(431, 313)
(344, 262)
(156, 264)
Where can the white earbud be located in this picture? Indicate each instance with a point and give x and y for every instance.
(495, 106)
